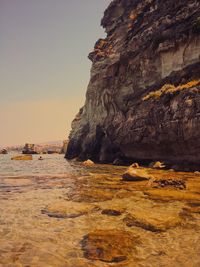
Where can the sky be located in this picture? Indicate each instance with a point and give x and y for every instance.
(44, 69)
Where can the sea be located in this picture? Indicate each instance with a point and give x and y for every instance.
(51, 164)
(59, 213)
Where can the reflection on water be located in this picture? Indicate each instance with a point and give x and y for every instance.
(59, 214)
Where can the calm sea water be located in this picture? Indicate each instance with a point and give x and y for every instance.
(52, 164)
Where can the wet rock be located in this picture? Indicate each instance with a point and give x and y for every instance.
(68, 209)
(22, 157)
(135, 165)
(157, 165)
(88, 163)
(175, 183)
(134, 174)
(109, 245)
(112, 212)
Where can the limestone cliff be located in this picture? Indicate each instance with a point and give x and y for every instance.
(143, 98)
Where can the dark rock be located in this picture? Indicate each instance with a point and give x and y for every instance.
(143, 99)
(118, 162)
(178, 184)
(111, 212)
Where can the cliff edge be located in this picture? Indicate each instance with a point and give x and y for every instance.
(143, 98)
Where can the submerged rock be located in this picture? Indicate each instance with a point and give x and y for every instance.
(66, 209)
(153, 223)
(85, 194)
(112, 212)
(155, 218)
(109, 245)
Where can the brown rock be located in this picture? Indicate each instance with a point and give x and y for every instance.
(155, 219)
(109, 245)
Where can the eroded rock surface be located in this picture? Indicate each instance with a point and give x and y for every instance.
(143, 98)
(109, 246)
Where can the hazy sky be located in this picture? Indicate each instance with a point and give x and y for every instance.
(44, 70)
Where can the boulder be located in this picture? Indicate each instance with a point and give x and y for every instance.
(135, 174)
(135, 165)
(88, 163)
(22, 157)
(157, 165)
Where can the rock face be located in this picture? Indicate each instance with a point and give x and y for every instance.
(143, 98)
